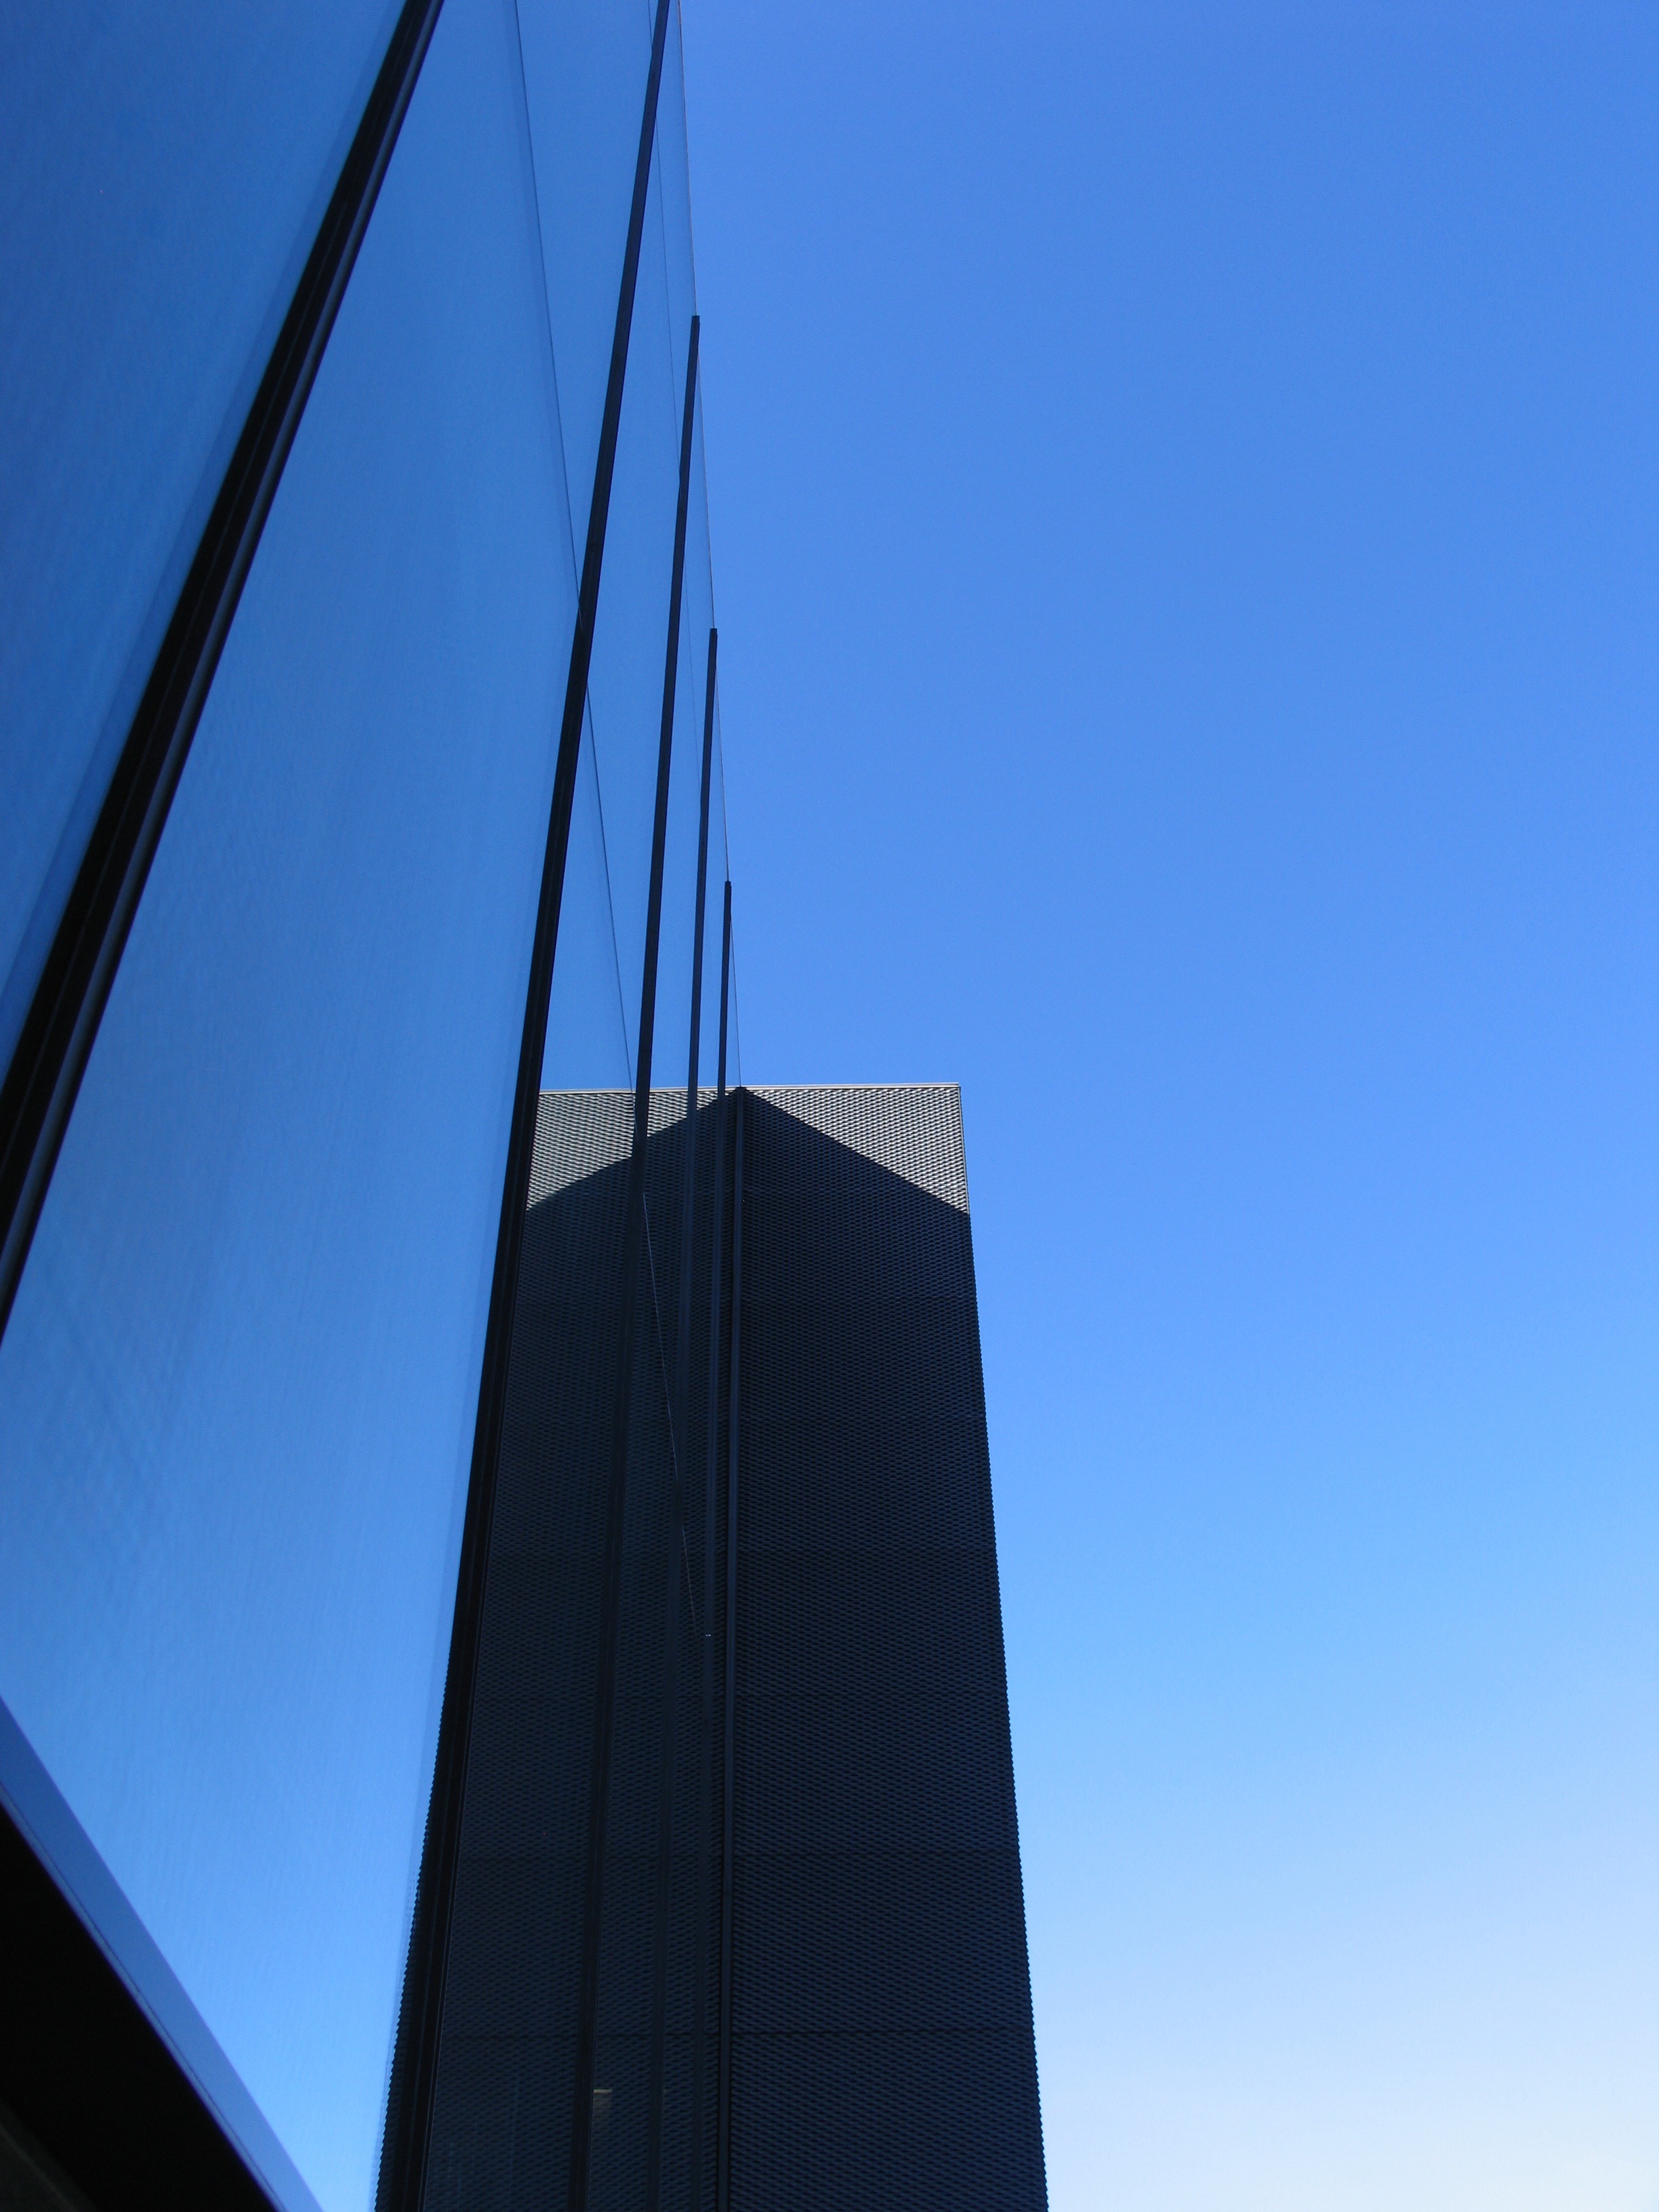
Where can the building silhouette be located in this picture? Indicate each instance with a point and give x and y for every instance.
(850, 2020)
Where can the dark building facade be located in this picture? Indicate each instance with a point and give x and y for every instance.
(812, 1956)
(881, 2014)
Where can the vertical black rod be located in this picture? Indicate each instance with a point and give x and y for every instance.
(711, 1442)
(605, 1701)
(723, 2181)
(681, 1413)
(44, 1076)
(678, 1411)
(415, 2063)
(682, 1379)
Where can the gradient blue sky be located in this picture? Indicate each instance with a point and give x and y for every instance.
(1186, 493)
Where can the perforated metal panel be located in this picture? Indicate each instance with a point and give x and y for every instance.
(502, 2109)
(881, 2046)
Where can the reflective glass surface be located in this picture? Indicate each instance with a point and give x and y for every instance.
(625, 683)
(590, 1021)
(667, 302)
(163, 175)
(674, 158)
(238, 1387)
(585, 73)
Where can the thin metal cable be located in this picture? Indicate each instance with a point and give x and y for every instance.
(736, 1017)
(720, 748)
(610, 902)
(662, 232)
(700, 440)
(547, 303)
(569, 519)
(662, 1361)
(691, 248)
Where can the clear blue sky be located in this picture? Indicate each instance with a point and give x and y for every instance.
(1186, 497)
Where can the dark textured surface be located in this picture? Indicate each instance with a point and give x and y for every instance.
(501, 2111)
(883, 2051)
(31, 2180)
(882, 2013)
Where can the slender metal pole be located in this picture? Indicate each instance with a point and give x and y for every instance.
(723, 2180)
(677, 1545)
(43, 1078)
(604, 1702)
(678, 1415)
(683, 1378)
(711, 1491)
(415, 2064)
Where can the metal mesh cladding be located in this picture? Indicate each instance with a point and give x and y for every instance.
(881, 2050)
(500, 2128)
